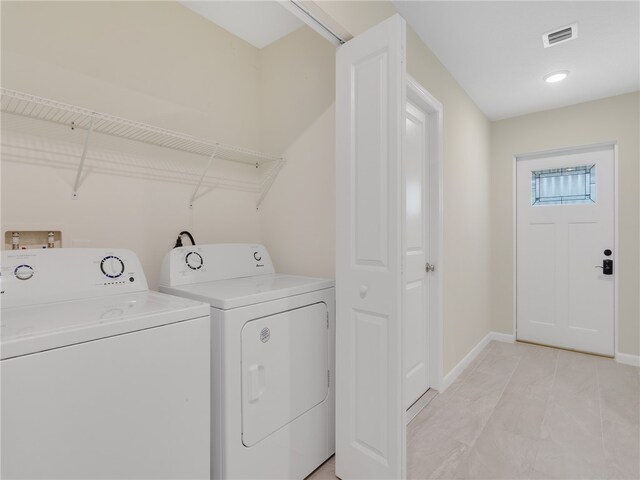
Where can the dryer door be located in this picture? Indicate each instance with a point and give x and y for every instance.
(285, 368)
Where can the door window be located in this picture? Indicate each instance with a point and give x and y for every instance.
(564, 186)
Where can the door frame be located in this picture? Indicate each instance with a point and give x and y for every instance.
(514, 241)
(434, 110)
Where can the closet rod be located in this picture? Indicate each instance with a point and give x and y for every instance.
(297, 8)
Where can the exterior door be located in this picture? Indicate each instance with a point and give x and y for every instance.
(416, 255)
(565, 250)
(370, 115)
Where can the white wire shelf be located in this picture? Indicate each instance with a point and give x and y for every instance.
(75, 117)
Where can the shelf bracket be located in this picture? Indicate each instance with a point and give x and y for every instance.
(76, 184)
(269, 181)
(204, 173)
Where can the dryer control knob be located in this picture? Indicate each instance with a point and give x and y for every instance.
(194, 260)
(23, 272)
(112, 266)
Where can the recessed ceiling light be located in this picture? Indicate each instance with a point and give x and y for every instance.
(556, 76)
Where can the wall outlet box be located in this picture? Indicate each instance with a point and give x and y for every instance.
(28, 239)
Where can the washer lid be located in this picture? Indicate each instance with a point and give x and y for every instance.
(36, 328)
(240, 292)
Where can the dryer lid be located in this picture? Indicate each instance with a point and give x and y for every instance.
(240, 292)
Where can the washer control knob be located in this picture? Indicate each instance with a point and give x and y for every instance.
(23, 272)
(112, 266)
(194, 260)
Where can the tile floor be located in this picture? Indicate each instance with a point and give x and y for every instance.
(524, 411)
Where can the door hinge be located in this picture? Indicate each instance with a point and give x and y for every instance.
(327, 320)
(328, 378)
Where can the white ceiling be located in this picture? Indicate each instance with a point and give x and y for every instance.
(260, 23)
(494, 50)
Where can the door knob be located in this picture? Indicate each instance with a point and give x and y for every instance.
(429, 268)
(607, 266)
(363, 291)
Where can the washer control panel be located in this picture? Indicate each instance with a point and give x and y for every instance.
(112, 266)
(30, 277)
(23, 272)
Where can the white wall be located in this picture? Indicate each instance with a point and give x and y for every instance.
(609, 119)
(297, 78)
(154, 62)
(466, 211)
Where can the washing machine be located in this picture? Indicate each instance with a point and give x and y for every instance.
(101, 378)
(273, 350)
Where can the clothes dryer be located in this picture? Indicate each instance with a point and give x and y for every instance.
(273, 354)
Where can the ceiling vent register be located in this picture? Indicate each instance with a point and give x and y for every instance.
(561, 35)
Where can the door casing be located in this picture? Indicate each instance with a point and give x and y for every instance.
(619, 259)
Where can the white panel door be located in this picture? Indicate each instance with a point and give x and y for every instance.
(565, 232)
(370, 114)
(416, 255)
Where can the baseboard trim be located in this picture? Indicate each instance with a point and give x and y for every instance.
(502, 337)
(455, 372)
(449, 378)
(627, 359)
